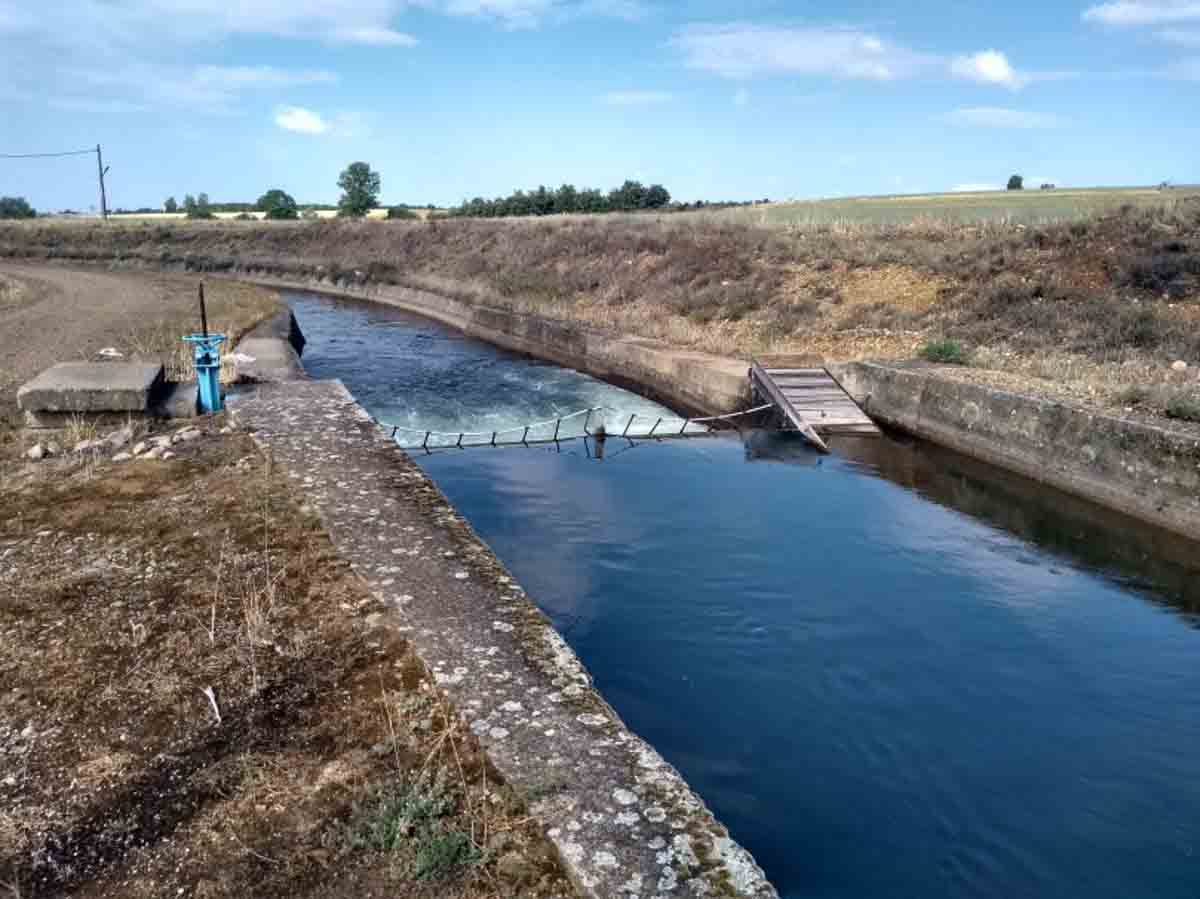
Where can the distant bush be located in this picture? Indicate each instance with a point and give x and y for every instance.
(401, 212)
(309, 215)
(948, 352)
(244, 217)
(15, 208)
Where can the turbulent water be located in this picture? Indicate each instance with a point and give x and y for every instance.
(890, 672)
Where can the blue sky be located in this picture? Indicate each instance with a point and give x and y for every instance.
(450, 99)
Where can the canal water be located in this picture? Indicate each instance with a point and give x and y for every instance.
(891, 672)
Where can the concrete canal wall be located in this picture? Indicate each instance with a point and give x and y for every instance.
(1148, 472)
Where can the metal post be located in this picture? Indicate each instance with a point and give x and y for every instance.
(629, 424)
(556, 424)
(656, 424)
(203, 312)
(526, 434)
(586, 422)
(103, 195)
(686, 422)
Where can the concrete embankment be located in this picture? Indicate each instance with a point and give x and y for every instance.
(1148, 472)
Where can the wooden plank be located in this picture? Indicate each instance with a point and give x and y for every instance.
(763, 380)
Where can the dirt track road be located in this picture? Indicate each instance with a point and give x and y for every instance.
(59, 314)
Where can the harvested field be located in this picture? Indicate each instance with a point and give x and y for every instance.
(200, 698)
(1097, 310)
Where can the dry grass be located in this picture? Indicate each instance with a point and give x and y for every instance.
(1082, 305)
(129, 599)
(233, 309)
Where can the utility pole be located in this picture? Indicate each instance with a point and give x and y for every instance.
(102, 169)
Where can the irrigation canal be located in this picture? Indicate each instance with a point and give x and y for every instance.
(890, 671)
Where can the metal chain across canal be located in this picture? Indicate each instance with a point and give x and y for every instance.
(539, 432)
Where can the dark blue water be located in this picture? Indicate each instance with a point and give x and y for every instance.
(890, 672)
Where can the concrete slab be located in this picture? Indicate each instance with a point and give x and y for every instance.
(266, 359)
(93, 387)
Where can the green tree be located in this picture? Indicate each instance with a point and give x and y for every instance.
(15, 208)
(197, 208)
(657, 196)
(278, 204)
(169, 205)
(401, 212)
(566, 199)
(360, 190)
(1016, 182)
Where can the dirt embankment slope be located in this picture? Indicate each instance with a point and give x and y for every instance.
(1094, 311)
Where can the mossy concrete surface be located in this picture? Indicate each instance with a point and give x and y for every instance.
(1148, 472)
(624, 821)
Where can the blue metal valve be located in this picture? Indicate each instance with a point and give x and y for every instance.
(207, 350)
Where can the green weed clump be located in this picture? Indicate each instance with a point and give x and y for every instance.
(947, 352)
(1184, 405)
(408, 820)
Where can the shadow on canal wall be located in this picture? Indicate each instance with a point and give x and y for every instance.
(1160, 564)
(1146, 472)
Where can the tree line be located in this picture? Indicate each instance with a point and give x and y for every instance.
(629, 197)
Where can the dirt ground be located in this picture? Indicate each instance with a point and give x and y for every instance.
(201, 699)
(50, 315)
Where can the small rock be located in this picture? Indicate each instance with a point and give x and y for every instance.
(118, 439)
(36, 453)
(189, 434)
(1179, 365)
(53, 449)
(122, 457)
(86, 446)
(167, 454)
(140, 447)
(226, 430)
(154, 453)
(162, 441)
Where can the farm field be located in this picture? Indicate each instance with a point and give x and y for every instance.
(1029, 207)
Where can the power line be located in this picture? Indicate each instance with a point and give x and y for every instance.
(44, 155)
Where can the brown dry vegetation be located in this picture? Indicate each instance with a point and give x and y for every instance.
(335, 768)
(1085, 310)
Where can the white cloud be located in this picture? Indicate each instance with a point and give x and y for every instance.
(299, 119)
(373, 36)
(1180, 37)
(973, 188)
(998, 117)
(1139, 12)
(636, 98)
(740, 50)
(306, 121)
(741, 97)
(988, 67)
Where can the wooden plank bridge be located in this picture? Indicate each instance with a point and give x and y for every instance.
(809, 399)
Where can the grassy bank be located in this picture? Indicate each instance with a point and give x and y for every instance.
(1096, 309)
